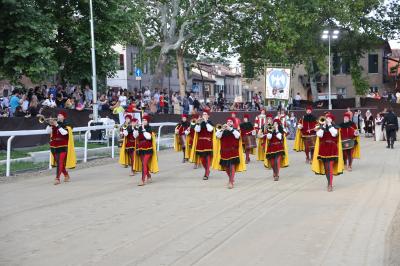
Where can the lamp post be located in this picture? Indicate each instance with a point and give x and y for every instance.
(328, 35)
(94, 77)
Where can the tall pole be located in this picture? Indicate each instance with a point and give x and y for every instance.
(329, 76)
(94, 77)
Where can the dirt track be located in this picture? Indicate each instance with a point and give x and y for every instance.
(103, 218)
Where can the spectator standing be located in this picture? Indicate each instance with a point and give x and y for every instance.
(221, 102)
(153, 105)
(25, 103)
(122, 99)
(15, 101)
(196, 104)
(297, 100)
(33, 109)
(191, 101)
(398, 97)
(176, 104)
(50, 102)
(161, 103)
(88, 94)
(103, 103)
(52, 91)
(185, 104)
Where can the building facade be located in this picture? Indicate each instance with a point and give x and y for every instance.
(129, 60)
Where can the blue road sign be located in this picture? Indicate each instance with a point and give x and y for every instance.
(138, 72)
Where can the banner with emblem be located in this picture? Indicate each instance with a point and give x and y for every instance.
(277, 83)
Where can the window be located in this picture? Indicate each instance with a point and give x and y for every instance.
(341, 92)
(121, 62)
(133, 62)
(341, 65)
(373, 89)
(372, 63)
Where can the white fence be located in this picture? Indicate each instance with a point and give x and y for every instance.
(113, 128)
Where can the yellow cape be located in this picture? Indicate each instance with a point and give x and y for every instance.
(123, 156)
(153, 164)
(194, 158)
(357, 149)
(217, 157)
(260, 150)
(318, 165)
(298, 141)
(285, 161)
(71, 155)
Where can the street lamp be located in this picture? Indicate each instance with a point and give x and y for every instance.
(94, 77)
(328, 35)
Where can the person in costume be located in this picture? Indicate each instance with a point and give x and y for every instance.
(127, 155)
(369, 124)
(146, 149)
(61, 146)
(236, 120)
(180, 140)
(292, 125)
(305, 134)
(328, 155)
(190, 137)
(350, 141)
(229, 154)
(276, 152)
(260, 120)
(203, 143)
(247, 131)
(391, 125)
(284, 121)
(262, 137)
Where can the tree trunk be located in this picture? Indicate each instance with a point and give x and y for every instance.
(158, 78)
(313, 83)
(181, 72)
(358, 101)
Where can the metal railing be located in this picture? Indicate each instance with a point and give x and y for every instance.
(13, 134)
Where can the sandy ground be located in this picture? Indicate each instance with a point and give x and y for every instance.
(103, 218)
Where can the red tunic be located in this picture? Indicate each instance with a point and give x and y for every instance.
(182, 128)
(275, 146)
(348, 132)
(308, 127)
(130, 141)
(229, 148)
(328, 146)
(144, 146)
(204, 141)
(57, 140)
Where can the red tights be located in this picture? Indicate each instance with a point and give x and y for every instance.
(145, 166)
(61, 159)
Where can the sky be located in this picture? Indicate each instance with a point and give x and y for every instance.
(395, 44)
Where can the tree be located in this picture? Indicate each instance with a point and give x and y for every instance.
(25, 38)
(41, 37)
(170, 26)
(290, 32)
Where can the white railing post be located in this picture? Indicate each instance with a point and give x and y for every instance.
(8, 166)
(85, 148)
(112, 143)
(158, 137)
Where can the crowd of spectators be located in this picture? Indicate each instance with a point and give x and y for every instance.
(31, 102)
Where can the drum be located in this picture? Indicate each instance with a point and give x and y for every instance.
(309, 141)
(250, 142)
(348, 144)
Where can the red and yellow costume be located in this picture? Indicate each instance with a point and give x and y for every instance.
(147, 151)
(127, 155)
(262, 136)
(305, 134)
(181, 137)
(228, 155)
(203, 144)
(247, 131)
(276, 153)
(62, 148)
(350, 141)
(328, 156)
